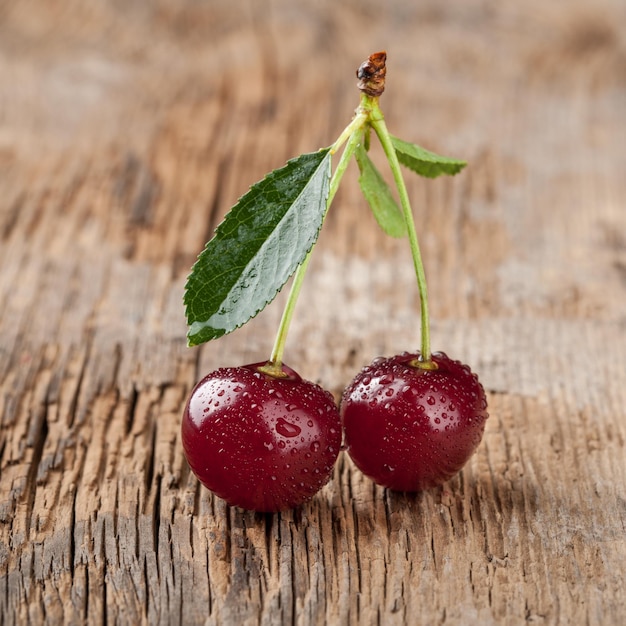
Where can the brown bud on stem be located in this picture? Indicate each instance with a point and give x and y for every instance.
(372, 73)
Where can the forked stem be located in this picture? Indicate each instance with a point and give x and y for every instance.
(368, 115)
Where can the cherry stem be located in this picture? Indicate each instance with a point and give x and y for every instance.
(359, 120)
(353, 133)
(367, 115)
(377, 121)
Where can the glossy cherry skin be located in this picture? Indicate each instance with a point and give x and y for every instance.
(261, 442)
(408, 428)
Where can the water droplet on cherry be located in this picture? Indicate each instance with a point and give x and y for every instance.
(386, 379)
(287, 429)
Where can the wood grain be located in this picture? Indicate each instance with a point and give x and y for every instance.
(126, 132)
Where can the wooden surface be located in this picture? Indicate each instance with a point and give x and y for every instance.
(127, 129)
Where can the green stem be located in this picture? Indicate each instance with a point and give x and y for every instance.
(274, 365)
(378, 124)
(355, 126)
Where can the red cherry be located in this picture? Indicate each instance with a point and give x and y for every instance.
(409, 428)
(261, 442)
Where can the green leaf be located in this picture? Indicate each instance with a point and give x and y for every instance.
(257, 247)
(379, 196)
(423, 162)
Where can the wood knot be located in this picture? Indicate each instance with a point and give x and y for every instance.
(371, 74)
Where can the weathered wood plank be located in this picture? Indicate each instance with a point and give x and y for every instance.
(124, 137)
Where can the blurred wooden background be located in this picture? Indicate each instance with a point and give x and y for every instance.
(127, 129)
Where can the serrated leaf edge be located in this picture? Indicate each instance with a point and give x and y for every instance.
(186, 299)
(439, 159)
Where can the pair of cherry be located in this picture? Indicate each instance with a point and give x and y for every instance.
(262, 438)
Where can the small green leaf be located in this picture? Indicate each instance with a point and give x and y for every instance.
(379, 196)
(257, 247)
(423, 162)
